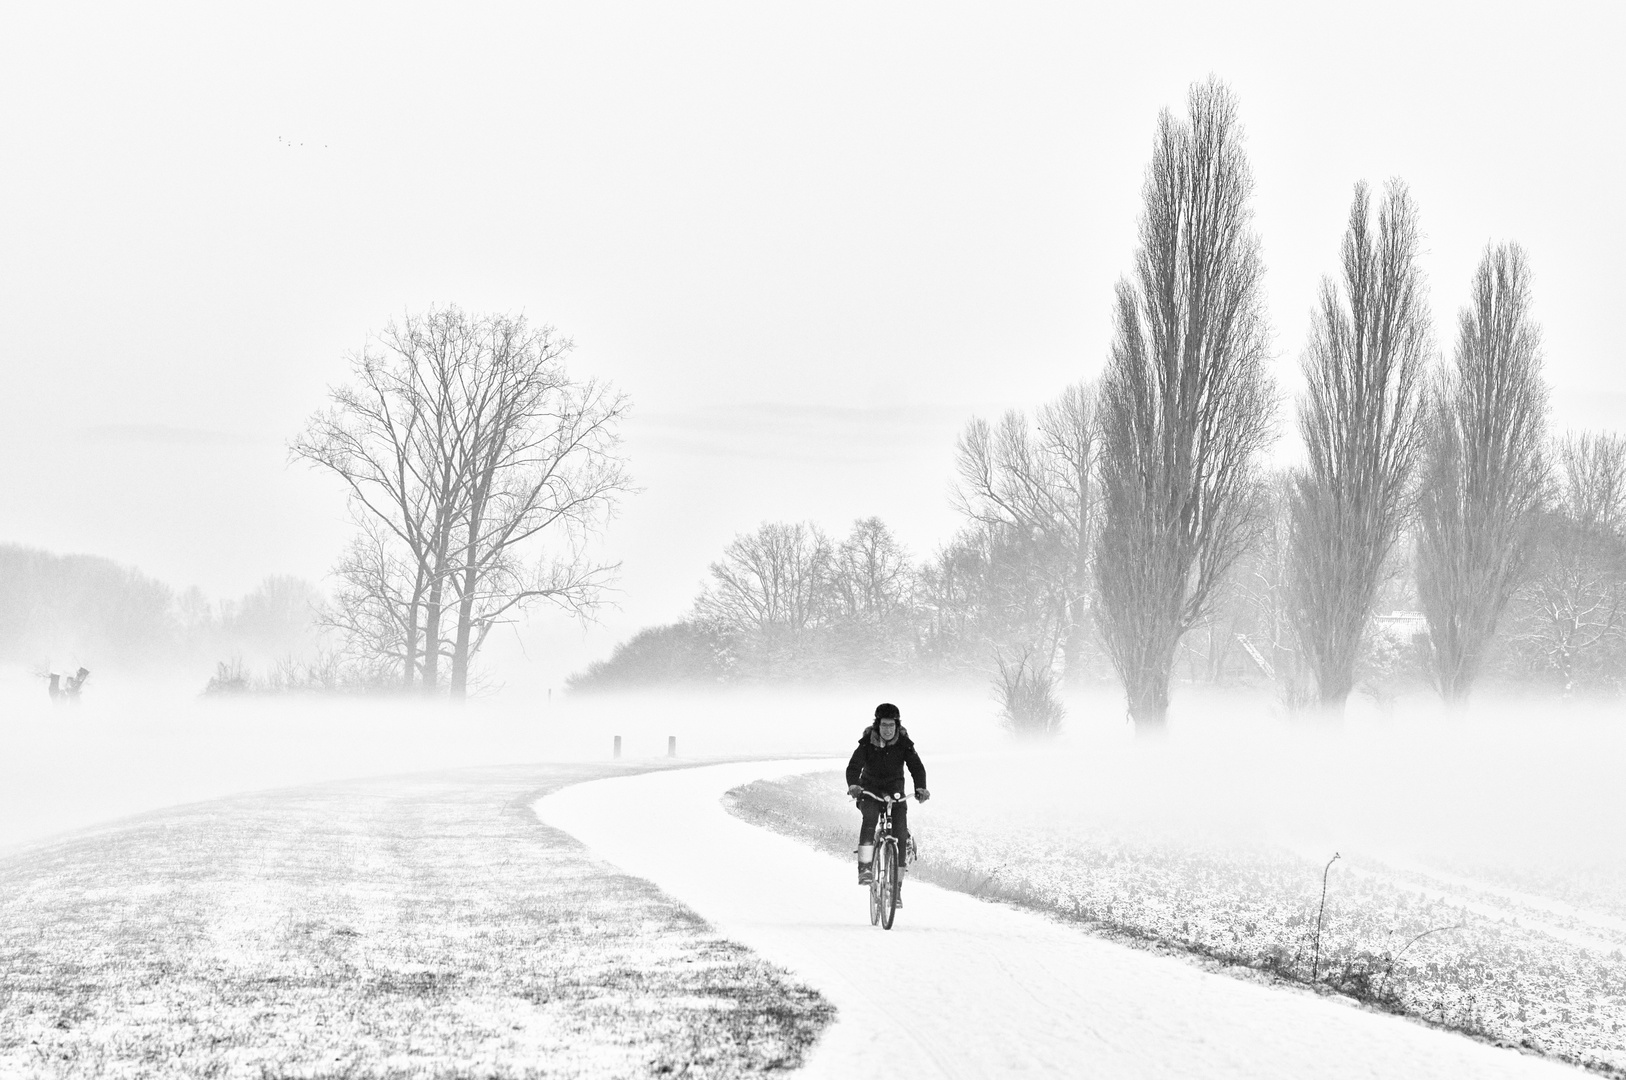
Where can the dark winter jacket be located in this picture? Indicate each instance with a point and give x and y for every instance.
(878, 767)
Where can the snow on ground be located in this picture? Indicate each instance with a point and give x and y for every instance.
(962, 988)
(412, 927)
(1379, 936)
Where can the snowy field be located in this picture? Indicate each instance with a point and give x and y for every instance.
(1498, 837)
(405, 927)
(1503, 823)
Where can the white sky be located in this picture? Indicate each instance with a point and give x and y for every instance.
(810, 242)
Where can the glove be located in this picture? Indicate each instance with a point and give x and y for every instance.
(854, 790)
(922, 794)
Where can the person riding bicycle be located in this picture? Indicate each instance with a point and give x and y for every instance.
(884, 750)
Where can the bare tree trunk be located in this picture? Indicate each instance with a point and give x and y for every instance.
(465, 624)
(1146, 684)
(409, 661)
(466, 596)
(1186, 404)
(433, 609)
(1361, 422)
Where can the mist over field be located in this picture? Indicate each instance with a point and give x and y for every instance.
(143, 746)
(1519, 794)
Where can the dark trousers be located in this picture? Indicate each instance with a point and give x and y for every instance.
(872, 812)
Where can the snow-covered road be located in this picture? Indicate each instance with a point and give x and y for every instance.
(964, 988)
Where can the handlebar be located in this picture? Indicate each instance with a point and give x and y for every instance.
(885, 798)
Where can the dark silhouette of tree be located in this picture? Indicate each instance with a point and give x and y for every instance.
(1361, 418)
(1483, 480)
(1186, 403)
(464, 443)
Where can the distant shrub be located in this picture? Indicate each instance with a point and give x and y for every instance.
(325, 673)
(229, 678)
(1025, 685)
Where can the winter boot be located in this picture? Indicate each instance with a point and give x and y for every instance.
(897, 893)
(866, 873)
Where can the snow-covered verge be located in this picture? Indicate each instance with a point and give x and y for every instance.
(1510, 969)
(417, 926)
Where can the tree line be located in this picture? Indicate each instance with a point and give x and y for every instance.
(1134, 525)
(1010, 596)
(65, 610)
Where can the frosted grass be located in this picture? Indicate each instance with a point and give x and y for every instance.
(421, 926)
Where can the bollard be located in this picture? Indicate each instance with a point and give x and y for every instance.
(671, 746)
(618, 746)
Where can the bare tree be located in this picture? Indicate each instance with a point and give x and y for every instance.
(1186, 403)
(373, 609)
(870, 572)
(393, 437)
(538, 459)
(988, 604)
(1573, 607)
(1592, 490)
(1040, 483)
(1361, 419)
(770, 590)
(953, 601)
(872, 587)
(1484, 475)
(462, 443)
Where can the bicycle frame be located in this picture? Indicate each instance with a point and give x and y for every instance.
(884, 878)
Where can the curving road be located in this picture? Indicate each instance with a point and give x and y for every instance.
(963, 988)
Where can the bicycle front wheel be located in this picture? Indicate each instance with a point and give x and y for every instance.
(886, 872)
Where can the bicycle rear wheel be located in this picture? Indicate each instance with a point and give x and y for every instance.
(886, 872)
(874, 892)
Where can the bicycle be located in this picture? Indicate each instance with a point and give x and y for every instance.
(886, 868)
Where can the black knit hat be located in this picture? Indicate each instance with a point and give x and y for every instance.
(887, 711)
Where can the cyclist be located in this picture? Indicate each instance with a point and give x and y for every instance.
(884, 750)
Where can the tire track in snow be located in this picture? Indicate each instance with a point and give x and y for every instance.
(966, 989)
